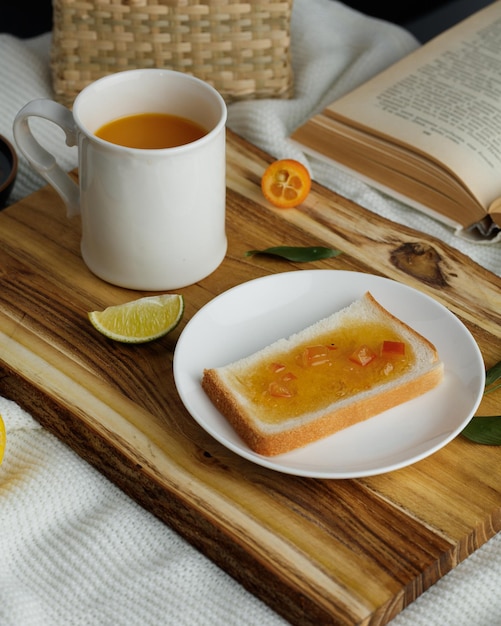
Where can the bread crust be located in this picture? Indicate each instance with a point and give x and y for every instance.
(335, 417)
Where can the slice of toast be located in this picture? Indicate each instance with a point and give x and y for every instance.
(344, 369)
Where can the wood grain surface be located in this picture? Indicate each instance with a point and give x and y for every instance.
(341, 552)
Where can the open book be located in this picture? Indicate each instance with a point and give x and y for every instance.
(427, 130)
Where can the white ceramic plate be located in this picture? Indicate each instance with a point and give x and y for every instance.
(254, 314)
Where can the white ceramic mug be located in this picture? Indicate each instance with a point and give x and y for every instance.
(151, 219)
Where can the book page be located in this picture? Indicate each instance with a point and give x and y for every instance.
(444, 100)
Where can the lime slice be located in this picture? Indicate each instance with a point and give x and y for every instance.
(3, 438)
(141, 320)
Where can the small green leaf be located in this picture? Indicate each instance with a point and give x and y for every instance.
(492, 375)
(492, 388)
(300, 254)
(485, 430)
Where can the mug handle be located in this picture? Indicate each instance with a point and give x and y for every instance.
(42, 161)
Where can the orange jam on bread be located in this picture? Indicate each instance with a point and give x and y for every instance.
(342, 370)
(337, 366)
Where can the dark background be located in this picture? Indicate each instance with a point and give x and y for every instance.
(424, 18)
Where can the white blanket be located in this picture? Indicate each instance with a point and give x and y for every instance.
(73, 548)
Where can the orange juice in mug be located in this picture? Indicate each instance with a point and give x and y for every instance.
(153, 214)
(151, 130)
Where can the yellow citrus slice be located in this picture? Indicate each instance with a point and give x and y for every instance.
(141, 320)
(3, 439)
(286, 183)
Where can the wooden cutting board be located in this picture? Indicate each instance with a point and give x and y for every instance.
(317, 551)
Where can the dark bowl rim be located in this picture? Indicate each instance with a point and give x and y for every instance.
(13, 170)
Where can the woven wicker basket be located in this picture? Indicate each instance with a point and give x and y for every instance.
(241, 48)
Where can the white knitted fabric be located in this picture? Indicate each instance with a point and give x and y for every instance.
(74, 549)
